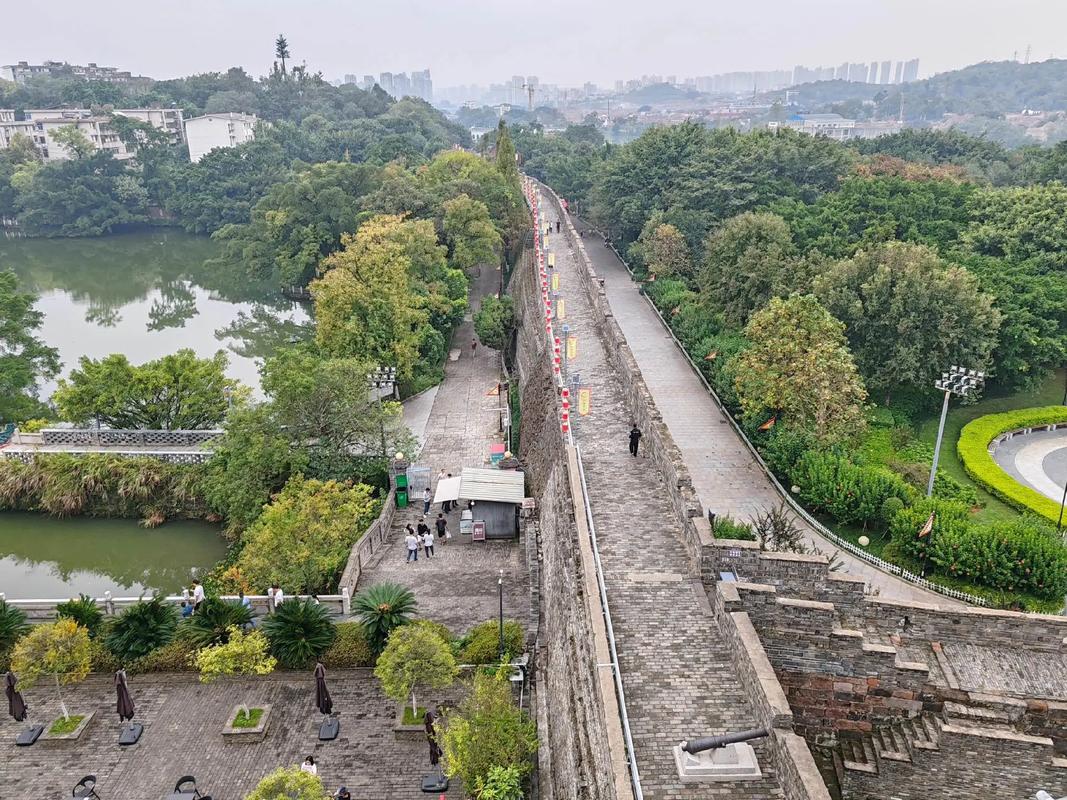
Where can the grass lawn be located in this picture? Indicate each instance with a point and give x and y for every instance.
(413, 719)
(63, 726)
(251, 721)
(1048, 393)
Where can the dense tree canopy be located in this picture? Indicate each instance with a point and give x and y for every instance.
(24, 359)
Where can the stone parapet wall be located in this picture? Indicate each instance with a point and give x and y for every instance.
(106, 437)
(372, 540)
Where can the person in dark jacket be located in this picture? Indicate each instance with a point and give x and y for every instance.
(635, 437)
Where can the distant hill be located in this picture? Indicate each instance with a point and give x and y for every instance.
(990, 88)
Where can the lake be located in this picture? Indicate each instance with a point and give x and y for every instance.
(148, 294)
(47, 558)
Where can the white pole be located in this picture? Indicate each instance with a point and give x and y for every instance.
(937, 445)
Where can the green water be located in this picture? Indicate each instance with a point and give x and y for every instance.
(148, 294)
(43, 557)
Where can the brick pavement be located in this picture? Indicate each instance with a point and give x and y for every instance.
(726, 477)
(459, 586)
(677, 676)
(183, 722)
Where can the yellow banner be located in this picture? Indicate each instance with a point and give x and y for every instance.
(555, 282)
(572, 347)
(561, 309)
(584, 398)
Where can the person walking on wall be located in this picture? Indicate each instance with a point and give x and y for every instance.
(427, 543)
(442, 525)
(427, 498)
(412, 545)
(635, 438)
(557, 226)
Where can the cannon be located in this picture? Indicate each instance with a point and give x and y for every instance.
(715, 742)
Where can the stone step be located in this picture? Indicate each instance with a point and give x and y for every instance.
(918, 735)
(854, 754)
(972, 715)
(889, 746)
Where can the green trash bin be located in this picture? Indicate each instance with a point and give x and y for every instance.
(401, 498)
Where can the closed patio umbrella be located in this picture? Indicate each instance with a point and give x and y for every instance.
(16, 706)
(330, 726)
(124, 706)
(131, 731)
(436, 781)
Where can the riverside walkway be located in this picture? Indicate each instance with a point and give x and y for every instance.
(679, 680)
(726, 477)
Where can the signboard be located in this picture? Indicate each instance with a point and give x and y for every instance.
(555, 281)
(585, 396)
(561, 309)
(478, 531)
(529, 503)
(572, 347)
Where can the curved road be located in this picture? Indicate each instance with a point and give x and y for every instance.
(726, 477)
(1038, 460)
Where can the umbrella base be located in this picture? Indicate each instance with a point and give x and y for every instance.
(130, 733)
(432, 784)
(28, 736)
(329, 729)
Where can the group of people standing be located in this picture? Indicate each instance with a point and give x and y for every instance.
(423, 538)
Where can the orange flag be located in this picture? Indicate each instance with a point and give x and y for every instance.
(766, 426)
(928, 528)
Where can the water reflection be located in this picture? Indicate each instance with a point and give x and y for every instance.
(148, 294)
(43, 557)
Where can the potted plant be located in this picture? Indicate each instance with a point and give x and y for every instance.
(242, 654)
(59, 649)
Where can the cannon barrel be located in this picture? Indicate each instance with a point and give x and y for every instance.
(712, 742)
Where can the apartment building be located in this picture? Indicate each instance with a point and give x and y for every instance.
(41, 123)
(205, 133)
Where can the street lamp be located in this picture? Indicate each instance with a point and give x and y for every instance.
(957, 381)
(500, 593)
(378, 379)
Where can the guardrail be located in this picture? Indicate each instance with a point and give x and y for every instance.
(787, 497)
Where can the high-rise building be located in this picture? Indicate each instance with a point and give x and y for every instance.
(401, 85)
(350, 78)
(911, 70)
(898, 75)
(857, 73)
(422, 85)
(385, 80)
(367, 83)
(872, 74)
(619, 87)
(887, 68)
(842, 72)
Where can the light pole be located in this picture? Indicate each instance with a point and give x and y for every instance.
(500, 594)
(959, 381)
(382, 378)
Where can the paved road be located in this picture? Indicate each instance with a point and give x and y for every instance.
(678, 679)
(459, 586)
(726, 477)
(1038, 459)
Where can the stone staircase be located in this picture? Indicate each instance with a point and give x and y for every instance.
(896, 742)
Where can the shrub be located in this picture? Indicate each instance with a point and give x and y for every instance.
(211, 622)
(34, 425)
(726, 527)
(13, 625)
(350, 648)
(783, 448)
(241, 654)
(974, 454)
(502, 783)
(291, 783)
(174, 657)
(890, 507)
(949, 517)
(100, 658)
(851, 493)
(487, 730)
(382, 608)
(142, 628)
(482, 644)
(83, 611)
(495, 321)
(299, 632)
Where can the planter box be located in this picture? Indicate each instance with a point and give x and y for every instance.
(73, 735)
(246, 735)
(407, 733)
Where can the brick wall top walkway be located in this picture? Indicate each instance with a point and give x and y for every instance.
(726, 477)
(678, 679)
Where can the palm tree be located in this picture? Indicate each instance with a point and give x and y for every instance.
(281, 50)
(213, 621)
(299, 632)
(382, 608)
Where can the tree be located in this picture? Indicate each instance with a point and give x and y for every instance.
(24, 358)
(303, 538)
(494, 322)
(502, 783)
(13, 625)
(176, 392)
(73, 141)
(663, 250)
(213, 621)
(798, 367)
(505, 154)
(471, 236)
(299, 631)
(60, 649)
(141, 628)
(487, 730)
(416, 655)
(253, 460)
(747, 261)
(281, 50)
(382, 608)
(242, 654)
(289, 783)
(908, 315)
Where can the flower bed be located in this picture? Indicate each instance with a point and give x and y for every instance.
(973, 450)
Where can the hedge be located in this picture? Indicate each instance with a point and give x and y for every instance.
(973, 450)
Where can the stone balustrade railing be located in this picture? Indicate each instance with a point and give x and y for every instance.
(372, 540)
(108, 437)
(999, 440)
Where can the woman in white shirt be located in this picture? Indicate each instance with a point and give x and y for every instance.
(309, 766)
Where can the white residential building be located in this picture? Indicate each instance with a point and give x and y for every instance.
(40, 124)
(205, 133)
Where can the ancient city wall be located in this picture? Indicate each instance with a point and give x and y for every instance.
(574, 756)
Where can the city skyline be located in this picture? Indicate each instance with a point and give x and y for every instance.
(601, 43)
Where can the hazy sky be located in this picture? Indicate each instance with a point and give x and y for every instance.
(561, 41)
